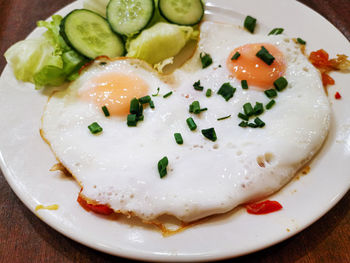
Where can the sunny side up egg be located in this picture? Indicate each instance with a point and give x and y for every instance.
(118, 167)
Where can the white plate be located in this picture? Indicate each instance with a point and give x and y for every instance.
(26, 160)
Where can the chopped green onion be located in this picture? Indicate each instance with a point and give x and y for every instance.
(301, 41)
(151, 104)
(103, 63)
(168, 94)
(178, 138)
(258, 108)
(162, 165)
(223, 118)
(140, 118)
(205, 59)
(270, 104)
(244, 84)
(227, 91)
(250, 23)
(145, 99)
(243, 116)
(209, 134)
(252, 125)
(270, 93)
(195, 107)
(155, 95)
(134, 106)
(140, 110)
(197, 85)
(219, 66)
(236, 56)
(280, 84)
(265, 56)
(259, 122)
(105, 111)
(276, 31)
(95, 128)
(243, 124)
(208, 93)
(203, 109)
(131, 120)
(248, 109)
(191, 124)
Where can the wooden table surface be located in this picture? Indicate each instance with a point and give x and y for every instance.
(25, 238)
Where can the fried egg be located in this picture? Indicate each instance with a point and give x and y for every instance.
(118, 166)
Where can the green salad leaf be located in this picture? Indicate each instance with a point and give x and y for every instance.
(47, 60)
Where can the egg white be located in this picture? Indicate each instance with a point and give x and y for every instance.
(119, 166)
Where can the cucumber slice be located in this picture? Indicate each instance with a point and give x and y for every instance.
(182, 12)
(129, 17)
(90, 35)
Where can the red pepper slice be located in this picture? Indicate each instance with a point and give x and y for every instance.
(263, 207)
(327, 80)
(99, 209)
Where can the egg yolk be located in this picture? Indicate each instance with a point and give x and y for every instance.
(115, 91)
(254, 70)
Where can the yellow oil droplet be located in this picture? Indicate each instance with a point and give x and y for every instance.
(48, 207)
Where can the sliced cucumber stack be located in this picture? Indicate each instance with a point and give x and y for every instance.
(90, 35)
(129, 17)
(182, 12)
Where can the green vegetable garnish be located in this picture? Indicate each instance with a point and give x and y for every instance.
(197, 85)
(205, 59)
(243, 124)
(191, 124)
(195, 107)
(280, 84)
(95, 128)
(168, 94)
(243, 116)
(105, 111)
(248, 109)
(244, 84)
(265, 56)
(276, 31)
(301, 41)
(250, 23)
(209, 134)
(131, 120)
(236, 56)
(178, 138)
(270, 104)
(258, 108)
(223, 118)
(208, 93)
(145, 99)
(227, 91)
(270, 93)
(162, 165)
(155, 95)
(259, 122)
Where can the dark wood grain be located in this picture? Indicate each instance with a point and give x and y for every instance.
(24, 238)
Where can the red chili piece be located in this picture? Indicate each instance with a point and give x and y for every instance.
(337, 96)
(99, 209)
(263, 207)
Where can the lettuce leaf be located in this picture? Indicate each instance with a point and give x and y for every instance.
(160, 42)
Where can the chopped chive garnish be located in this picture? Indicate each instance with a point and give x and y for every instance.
(145, 99)
(223, 118)
(301, 41)
(209, 134)
(195, 107)
(259, 122)
(252, 125)
(168, 94)
(227, 91)
(105, 111)
(208, 93)
(270, 104)
(276, 31)
(191, 124)
(95, 128)
(243, 116)
(270, 93)
(280, 83)
(151, 104)
(248, 109)
(244, 84)
(162, 165)
(265, 56)
(131, 120)
(140, 118)
(197, 85)
(258, 108)
(178, 138)
(140, 110)
(236, 56)
(203, 109)
(243, 124)
(155, 95)
(205, 59)
(219, 66)
(249, 23)
(103, 63)
(134, 106)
